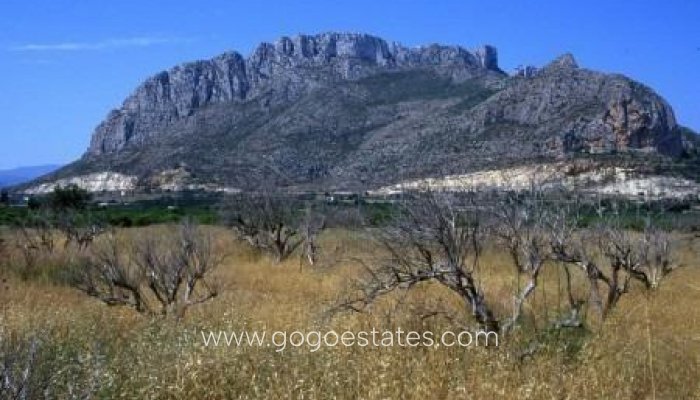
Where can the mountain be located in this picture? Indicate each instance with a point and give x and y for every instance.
(340, 111)
(15, 176)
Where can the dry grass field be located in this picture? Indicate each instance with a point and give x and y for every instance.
(648, 349)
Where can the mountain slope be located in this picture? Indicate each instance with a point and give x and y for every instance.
(349, 111)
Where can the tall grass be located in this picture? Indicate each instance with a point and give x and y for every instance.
(648, 348)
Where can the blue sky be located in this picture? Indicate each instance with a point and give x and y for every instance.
(64, 64)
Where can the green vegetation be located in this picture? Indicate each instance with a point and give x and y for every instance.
(670, 214)
(140, 213)
(68, 197)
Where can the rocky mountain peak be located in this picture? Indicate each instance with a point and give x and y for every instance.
(289, 67)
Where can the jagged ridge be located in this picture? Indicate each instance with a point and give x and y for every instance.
(291, 65)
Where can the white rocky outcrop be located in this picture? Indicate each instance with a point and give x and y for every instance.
(95, 182)
(174, 180)
(651, 186)
(604, 180)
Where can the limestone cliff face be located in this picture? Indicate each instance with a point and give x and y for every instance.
(289, 68)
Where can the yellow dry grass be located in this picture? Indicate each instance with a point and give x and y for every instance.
(649, 347)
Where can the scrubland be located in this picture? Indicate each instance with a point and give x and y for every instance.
(73, 345)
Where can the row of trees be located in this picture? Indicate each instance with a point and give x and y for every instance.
(167, 271)
(431, 236)
(440, 237)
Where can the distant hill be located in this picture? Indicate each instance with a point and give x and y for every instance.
(342, 111)
(15, 176)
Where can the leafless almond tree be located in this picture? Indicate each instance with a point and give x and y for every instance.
(265, 220)
(35, 237)
(163, 275)
(433, 238)
(657, 259)
(175, 269)
(611, 255)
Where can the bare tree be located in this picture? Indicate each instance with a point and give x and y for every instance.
(267, 221)
(520, 226)
(610, 255)
(572, 247)
(645, 257)
(164, 276)
(657, 257)
(175, 271)
(37, 231)
(432, 238)
(310, 226)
